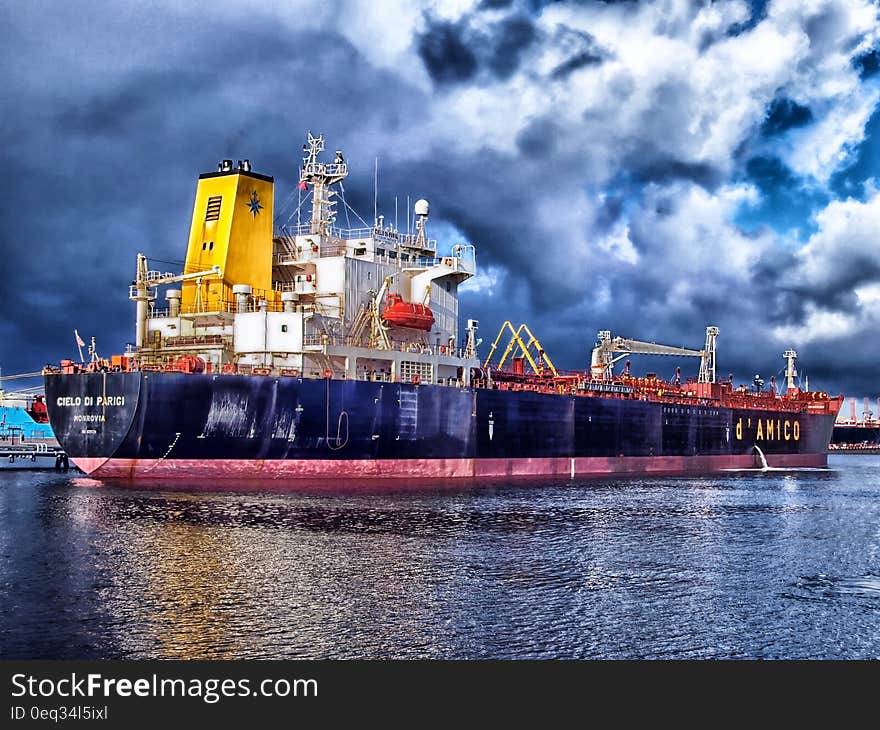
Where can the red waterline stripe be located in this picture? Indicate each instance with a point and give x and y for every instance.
(293, 469)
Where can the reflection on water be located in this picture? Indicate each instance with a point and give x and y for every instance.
(186, 578)
(740, 565)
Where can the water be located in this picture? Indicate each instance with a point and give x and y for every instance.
(756, 564)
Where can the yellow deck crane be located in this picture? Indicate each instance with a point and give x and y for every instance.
(525, 346)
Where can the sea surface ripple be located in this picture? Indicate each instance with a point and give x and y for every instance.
(742, 565)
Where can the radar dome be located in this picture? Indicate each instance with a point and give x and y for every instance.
(422, 207)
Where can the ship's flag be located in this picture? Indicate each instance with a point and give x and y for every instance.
(79, 344)
(303, 185)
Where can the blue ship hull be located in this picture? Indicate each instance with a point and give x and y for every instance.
(174, 424)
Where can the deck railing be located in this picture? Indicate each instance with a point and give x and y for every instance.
(383, 235)
(413, 348)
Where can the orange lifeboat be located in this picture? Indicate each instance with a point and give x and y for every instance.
(399, 313)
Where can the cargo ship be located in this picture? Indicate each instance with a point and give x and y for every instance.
(306, 351)
(854, 435)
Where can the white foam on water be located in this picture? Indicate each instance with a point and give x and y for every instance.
(787, 469)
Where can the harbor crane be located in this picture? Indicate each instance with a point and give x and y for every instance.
(143, 290)
(609, 350)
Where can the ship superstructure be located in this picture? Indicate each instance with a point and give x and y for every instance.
(313, 299)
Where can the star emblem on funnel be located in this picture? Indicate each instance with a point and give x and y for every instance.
(254, 204)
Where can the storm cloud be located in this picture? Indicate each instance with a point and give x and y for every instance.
(649, 168)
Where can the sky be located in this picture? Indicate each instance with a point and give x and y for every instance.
(649, 168)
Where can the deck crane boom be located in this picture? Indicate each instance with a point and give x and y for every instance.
(143, 290)
(378, 328)
(609, 350)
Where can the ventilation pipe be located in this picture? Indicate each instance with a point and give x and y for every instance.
(242, 293)
(173, 298)
(289, 300)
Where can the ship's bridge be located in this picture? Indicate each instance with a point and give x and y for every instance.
(296, 246)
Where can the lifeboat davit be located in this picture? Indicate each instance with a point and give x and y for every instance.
(399, 313)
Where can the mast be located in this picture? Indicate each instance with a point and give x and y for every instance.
(707, 363)
(322, 175)
(790, 372)
(140, 292)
